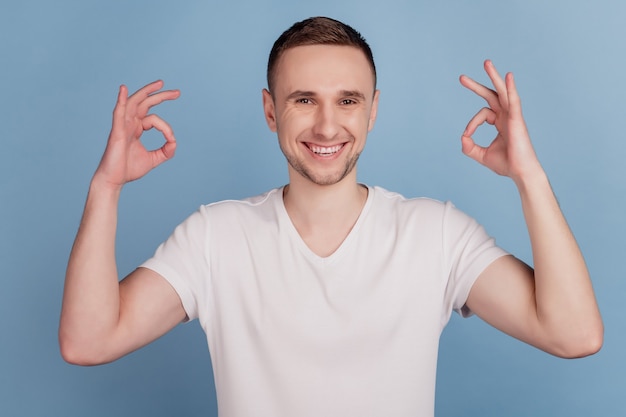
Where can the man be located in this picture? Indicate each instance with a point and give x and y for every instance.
(326, 296)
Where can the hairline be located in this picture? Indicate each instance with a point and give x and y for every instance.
(278, 61)
(317, 31)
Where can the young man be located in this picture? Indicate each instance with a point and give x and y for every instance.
(326, 296)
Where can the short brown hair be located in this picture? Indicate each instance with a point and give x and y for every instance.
(317, 31)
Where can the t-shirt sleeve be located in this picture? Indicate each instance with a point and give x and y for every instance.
(468, 251)
(182, 261)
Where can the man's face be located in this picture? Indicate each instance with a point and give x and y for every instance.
(322, 107)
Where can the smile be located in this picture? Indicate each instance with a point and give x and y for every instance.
(325, 150)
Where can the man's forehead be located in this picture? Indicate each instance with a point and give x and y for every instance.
(317, 62)
(323, 50)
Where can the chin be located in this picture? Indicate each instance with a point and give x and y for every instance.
(324, 179)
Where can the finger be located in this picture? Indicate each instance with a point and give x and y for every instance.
(120, 105)
(515, 105)
(152, 121)
(468, 146)
(484, 115)
(498, 83)
(119, 113)
(471, 149)
(167, 151)
(142, 94)
(122, 95)
(154, 99)
(490, 96)
(146, 90)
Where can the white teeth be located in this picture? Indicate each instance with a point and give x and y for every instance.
(325, 150)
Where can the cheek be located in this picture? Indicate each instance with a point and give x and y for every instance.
(358, 125)
(294, 123)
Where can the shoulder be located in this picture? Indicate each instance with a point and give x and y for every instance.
(255, 204)
(418, 210)
(229, 212)
(390, 200)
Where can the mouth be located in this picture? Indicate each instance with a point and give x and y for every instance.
(325, 150)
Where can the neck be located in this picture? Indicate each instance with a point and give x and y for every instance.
(323, 215)
(309, 200)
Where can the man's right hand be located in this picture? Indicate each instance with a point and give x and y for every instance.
(103, 319)
(126, 158)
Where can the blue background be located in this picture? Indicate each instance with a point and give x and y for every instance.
(62, 62)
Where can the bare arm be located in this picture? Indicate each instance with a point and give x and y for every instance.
(552, 307)
(103, 319)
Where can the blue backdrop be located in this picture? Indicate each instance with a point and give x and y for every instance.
(61, 64)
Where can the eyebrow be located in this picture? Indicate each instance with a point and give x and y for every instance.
(342, 93)
(353, 93)
(300, 93)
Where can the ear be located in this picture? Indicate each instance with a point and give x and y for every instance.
(269, 110)
(373, 111)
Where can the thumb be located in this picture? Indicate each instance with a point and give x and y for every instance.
(471, 149)
(164, 153)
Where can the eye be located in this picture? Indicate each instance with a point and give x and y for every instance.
(303, 100)
(347, 101)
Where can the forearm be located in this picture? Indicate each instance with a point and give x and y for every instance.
(91, 301)
(566, 307)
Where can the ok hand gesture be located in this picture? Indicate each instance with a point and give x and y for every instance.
(126, 158)
(511, 152)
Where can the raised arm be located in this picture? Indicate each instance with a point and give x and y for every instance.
(101, 318)
(552, 307)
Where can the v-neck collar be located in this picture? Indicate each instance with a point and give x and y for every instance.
(295, 237)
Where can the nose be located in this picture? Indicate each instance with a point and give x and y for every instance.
(326, 121)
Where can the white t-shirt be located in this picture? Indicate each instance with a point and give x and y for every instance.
(353, 334)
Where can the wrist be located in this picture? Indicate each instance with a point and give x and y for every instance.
(533, 182)
(529, 174)
(101, 186)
